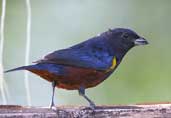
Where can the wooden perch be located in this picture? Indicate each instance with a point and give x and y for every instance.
(130, 111)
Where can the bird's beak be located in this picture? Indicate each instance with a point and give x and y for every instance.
(140, 41)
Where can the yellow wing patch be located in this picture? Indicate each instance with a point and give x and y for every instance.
(113, 65)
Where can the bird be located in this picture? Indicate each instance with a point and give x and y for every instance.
(86, 64)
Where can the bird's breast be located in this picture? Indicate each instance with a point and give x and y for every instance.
(72, 77)
(81, 77)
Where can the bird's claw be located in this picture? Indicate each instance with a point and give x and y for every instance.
(92, 106)
(52, 105)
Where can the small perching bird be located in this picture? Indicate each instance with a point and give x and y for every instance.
(86, 64)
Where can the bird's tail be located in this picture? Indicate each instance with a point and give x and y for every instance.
(18, 68)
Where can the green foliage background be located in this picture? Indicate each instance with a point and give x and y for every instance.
(144, 74)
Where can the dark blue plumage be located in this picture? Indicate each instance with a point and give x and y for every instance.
(86, 64)
(51, 68)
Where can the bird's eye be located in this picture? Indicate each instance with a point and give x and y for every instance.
(125, 36)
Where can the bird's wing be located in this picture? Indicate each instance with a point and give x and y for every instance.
(85, 55)
(79, 58)
(93, 53)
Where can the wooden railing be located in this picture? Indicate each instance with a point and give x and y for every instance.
(129, 111)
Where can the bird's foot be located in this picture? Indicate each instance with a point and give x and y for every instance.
(52, 106)
(92, 106)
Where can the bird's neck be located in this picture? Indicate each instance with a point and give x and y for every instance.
(119, 53)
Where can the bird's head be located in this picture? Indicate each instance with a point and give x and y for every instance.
(124, 39)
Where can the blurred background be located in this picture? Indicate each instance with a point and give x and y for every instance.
(143, 76)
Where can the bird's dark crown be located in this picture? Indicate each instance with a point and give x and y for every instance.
(122, 39)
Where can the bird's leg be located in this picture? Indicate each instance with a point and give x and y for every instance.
(81, 92)
(52, 104)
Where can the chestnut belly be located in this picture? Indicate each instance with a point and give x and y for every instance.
(74, 77)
